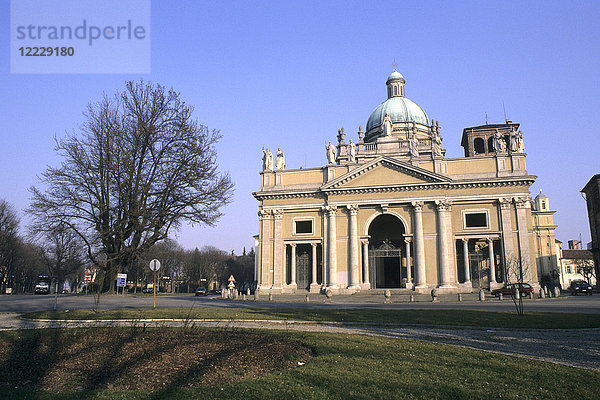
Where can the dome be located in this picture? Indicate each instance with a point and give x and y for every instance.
(394, 75)
(400, 109)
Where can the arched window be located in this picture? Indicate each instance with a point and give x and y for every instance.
(395, 90)
(479, 146)
(491, 144)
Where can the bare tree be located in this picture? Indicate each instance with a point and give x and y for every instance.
(61, 251)
(9, 244)
(586, 268)
(139, 167)
(517, 271)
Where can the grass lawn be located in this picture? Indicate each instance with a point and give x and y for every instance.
(491, 319)
(163, 363)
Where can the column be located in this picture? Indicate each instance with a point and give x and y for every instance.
(419, 245)
(408, 263)
(293, 265)
(492, 261)
(446, 275)
(278, 249)
(265, 249)
(313, 281)
(353, 282)
(522, 204)
(466, 261)
(507, 230)
(365, 246)
(331, 248)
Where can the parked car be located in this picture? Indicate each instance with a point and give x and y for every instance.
(201, 291)
(580, 287)
(509, 289)
(150, 290)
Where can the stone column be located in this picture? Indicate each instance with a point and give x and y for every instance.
(293, 266)
(466, 261)
(522, 204)
(419, 245)
(265, 249)
(445, 262)
(353, 282)
(409, 284)
(492, 262)
(365, 246)
(507, 230)
(278, 249)
(331, 248)
(313, 281)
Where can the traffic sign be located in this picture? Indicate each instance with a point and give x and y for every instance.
(121, 280)
(88, 277)
(231, 278)
(155, 265)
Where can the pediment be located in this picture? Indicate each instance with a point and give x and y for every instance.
(385, 171)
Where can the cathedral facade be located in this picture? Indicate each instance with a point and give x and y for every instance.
(390, 211)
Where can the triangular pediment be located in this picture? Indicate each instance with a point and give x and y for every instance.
(385, 171)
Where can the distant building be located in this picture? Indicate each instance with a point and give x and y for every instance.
(574, 244)
(592, 196)
(571, 263)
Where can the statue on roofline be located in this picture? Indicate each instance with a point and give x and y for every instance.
(267, 159)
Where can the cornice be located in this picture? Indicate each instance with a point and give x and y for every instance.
(474, 184)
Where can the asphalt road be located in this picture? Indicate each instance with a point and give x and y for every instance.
(26, 303)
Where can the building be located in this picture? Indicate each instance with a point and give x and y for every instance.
(572, 266)
(592, 198)
(390, 211)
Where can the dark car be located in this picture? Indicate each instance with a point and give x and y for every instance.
(580, 287)
(150, 290)
(509, 289)
(201, 291)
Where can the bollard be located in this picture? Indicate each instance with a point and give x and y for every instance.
(481, 295)
(547, 291)
(248, 292)
(434, 294)
(542, 293)
(517, 294)
(270, 296)
(500, 296)
(307, 299)
(256, 297)
(411, 298)
(223, 294)
(388, 295)
(460, 297)
(556, 291)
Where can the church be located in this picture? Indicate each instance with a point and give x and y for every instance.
(390, 211)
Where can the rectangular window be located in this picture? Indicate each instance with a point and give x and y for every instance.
(303, 227)
(476, 220)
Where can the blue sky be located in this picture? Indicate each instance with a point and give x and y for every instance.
(290, 74)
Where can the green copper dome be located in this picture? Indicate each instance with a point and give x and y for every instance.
(400, 109)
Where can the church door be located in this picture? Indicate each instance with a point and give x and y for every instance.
(303, 269)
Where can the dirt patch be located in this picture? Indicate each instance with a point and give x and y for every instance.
(137, 358)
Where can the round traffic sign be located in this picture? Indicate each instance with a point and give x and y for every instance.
(155, 265)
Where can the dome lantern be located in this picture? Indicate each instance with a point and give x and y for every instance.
(395, 85)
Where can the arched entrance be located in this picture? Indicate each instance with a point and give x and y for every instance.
(387, 258)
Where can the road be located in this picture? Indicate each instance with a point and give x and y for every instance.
(26, 303)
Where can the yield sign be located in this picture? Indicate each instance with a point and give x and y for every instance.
(231, 278)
